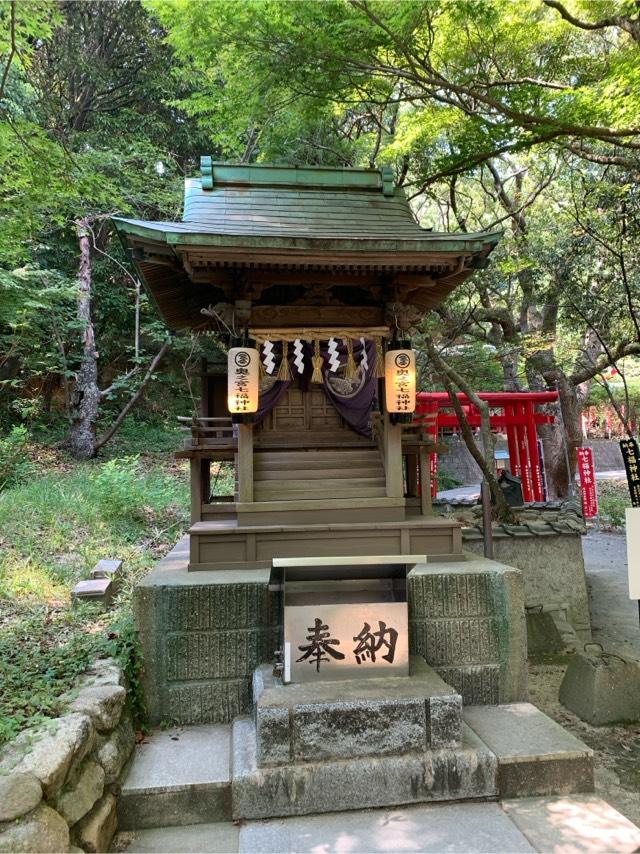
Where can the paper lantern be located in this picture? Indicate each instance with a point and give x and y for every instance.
(243, 371)
(400, 380)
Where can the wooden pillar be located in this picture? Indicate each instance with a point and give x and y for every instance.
(245, 463)
(426, 506)
(393, 458)
(412, 474)
(196, 489)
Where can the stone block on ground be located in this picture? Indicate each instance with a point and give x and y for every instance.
(178, 777)
(41, 832)
(602, 688)
(79, 795)
(543, 636)
(580, 823)
(102, 703)
(19, 794)
(106, 568)
(307, 722)
(535, 755)
(94, 832)
(97, 591)
(459, 828)
(469, 771)
(50, 752)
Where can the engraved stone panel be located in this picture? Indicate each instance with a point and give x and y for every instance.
(214, 655)
(207, 702)
(478, 684)
(464, 641)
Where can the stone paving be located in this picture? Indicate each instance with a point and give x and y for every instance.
(567, 825)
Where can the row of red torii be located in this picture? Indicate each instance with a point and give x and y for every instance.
(511, 413)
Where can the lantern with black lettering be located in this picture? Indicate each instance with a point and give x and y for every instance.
(243, 369)
(400, 381)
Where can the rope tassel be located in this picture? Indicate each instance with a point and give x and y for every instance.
(350, 370)
(284, 372)
(317, 361)
(379, 359)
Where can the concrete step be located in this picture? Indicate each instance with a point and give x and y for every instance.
(178, 777)
(536, 756)
(305, 722)
(582, 823)
(466, 772)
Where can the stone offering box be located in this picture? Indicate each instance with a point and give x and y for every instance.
(344, 618)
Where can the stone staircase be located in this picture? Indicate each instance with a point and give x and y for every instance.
(328, 747)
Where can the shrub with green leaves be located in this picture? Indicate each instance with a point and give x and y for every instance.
(15, 463)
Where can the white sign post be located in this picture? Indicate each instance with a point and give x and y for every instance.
(633, 551)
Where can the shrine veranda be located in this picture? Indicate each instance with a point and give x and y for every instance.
(327, 563)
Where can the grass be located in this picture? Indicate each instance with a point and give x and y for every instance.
(54, 527)
(613, 499)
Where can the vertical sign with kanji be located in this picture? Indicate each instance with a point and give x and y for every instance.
(242, 383)
(631, 457)
(587, 472)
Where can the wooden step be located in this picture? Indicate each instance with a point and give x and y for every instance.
(314, 459)
(328, 483)
(343, 491)
(359, 471)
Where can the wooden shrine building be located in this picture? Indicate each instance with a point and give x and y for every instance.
(297, 598)
(320, 270)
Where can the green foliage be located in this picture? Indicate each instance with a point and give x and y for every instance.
(69, 518)
(613, 499)
(15, 464)
(42, 653)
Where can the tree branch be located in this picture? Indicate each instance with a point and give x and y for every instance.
(135, 397)
(627, 24)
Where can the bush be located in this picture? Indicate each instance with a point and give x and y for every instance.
(15, 463)
(613, 499)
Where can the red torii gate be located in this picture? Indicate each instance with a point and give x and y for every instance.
(517, 417)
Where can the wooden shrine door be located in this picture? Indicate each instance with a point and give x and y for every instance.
(305, 419)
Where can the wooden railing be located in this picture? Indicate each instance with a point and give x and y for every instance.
(209, 432)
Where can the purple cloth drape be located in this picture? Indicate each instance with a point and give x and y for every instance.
(355, 403)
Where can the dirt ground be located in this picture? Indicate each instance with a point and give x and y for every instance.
(616, 748)
(615, 625)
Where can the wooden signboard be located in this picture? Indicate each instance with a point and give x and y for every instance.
(587, 471)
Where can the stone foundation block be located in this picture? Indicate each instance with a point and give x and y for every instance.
(203, 634)
(102, 703)
(308, 722)
(112, 752)
(469, 771)
(467, 620)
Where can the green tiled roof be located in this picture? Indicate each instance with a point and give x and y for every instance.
(290, 202)
(342, 221)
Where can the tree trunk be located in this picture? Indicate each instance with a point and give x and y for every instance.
(500, 510)
(85, 398)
